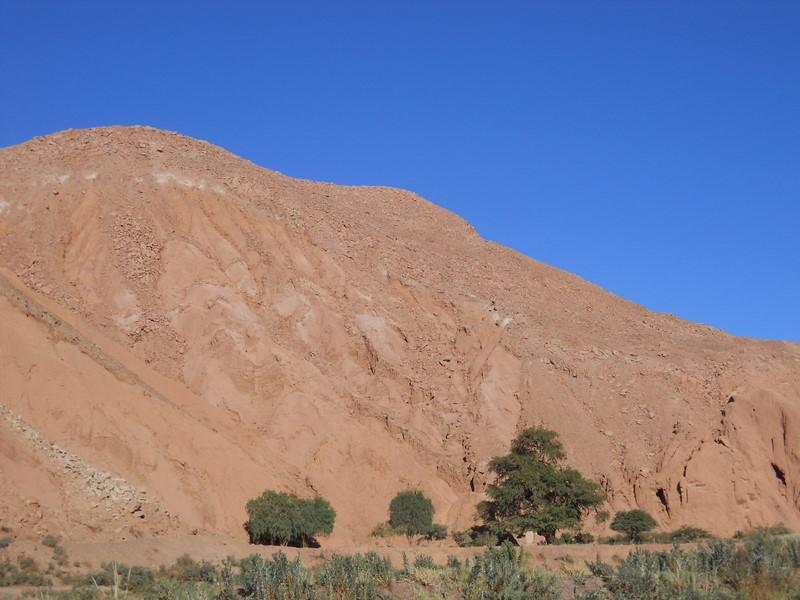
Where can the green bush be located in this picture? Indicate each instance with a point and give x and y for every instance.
(436, 532)
(681, 535)
(50, 540)
(382, 530)
(500, 574)
(188, 569)
(60, 555)
(286, 520)
(481, 535)
(5, 541)
(274, 579)
(360, 576)
(411, 513)
(633, 523)
(583, 537)
(27, 564)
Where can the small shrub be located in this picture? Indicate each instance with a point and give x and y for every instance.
(633, 523)
(188, 569)
(357, 576)
(275, 579)
(583, 537)
(436, 532)
(5, 541)
(50, 540)
(60, 555)
(383, 530)
(500, 573)
(681, 535)
(27, 564)
(411, 513)
(481, 535)
(424, 561)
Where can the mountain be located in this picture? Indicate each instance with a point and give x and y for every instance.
(181, 329)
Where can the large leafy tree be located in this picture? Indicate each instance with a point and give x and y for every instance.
(286, 520)
(534, 491)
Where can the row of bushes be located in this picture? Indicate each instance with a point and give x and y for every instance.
(534, 491)
(284, 519)
(483, 536)
(763, 566)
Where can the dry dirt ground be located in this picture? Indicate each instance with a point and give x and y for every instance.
(181, 329)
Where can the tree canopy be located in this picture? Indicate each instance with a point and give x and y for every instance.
(534, 491)
(633, 523)
(286, 520)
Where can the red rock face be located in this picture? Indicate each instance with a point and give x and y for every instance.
(190, 329)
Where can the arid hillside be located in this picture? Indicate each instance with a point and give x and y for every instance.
(181, 329)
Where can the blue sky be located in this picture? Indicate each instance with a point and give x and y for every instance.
(650, 147)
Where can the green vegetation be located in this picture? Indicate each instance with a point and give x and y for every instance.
(26, 571)
(286, 520)
(633, 523)
(411, 514)
(534, 491)
(500, 573)
(581, 537)
(762, 566)
(50, 540)
(779, 529)
(682, 535)
(5, 541)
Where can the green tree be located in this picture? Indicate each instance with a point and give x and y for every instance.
(633, 523)
(534, 491)
(285, 519)
(411, 513)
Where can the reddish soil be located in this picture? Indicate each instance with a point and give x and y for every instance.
(181, 329)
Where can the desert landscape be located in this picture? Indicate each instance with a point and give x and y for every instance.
(182, 329)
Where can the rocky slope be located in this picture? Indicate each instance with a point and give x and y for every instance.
(180, 329)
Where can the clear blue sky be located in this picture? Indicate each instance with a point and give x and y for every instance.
(650, 147)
